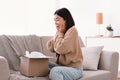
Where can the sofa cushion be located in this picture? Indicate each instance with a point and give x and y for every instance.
(44, 40)
(96, 75)
(87, 75)
(81, 42)
(91, 56)
(12, 47)
(16, 75)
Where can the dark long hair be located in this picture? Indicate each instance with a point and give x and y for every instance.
(66, 15)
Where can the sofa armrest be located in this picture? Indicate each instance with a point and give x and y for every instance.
(109, 60)
(4, 69)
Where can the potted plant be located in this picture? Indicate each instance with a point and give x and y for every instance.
(110, 30)
(109, 27)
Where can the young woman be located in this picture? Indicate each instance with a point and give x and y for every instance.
(66, 45)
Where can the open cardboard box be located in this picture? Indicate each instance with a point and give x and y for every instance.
(30, 66)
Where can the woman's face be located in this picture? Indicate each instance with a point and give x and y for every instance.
(60, 23)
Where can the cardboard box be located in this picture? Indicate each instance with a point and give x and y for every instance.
(34, 66)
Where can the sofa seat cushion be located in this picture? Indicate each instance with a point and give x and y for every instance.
(96, 75)
(87, 75)
(16, 75)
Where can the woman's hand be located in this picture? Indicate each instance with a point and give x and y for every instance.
(62, 28)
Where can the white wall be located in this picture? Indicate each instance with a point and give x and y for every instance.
(84, 13)
(27, 16)
(20, 17)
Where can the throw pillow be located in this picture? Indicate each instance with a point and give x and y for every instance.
(91, 56)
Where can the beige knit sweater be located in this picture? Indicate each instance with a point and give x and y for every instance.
(68, 46)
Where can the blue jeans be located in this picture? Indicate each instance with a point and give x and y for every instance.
(64, 73)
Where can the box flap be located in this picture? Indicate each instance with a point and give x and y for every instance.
(36, 54)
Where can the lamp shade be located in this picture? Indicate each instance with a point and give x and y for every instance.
(99, 18)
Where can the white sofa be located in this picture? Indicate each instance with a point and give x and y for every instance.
(10, 47)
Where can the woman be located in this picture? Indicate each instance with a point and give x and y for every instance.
(67, 47)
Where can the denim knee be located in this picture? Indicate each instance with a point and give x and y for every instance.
(55, 74)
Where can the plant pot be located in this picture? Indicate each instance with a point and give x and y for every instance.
(109, 34)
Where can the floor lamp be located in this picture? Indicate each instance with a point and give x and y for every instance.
(99, 22)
